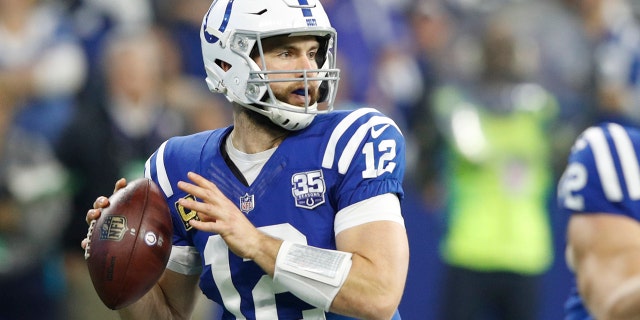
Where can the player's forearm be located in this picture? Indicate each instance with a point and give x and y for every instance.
(266, 254)
(366, 287)
(375, 284)
(369, 292)
(352, 284)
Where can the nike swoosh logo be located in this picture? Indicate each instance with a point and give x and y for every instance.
(376, 133)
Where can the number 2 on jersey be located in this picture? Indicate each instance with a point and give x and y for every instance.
(385, 161)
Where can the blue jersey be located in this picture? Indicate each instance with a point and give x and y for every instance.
(602, 176)
(342, 158)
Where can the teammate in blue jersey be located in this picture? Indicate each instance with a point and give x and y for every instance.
(601, 189)
(293, 212)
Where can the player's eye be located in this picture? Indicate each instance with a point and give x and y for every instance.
(285, 54)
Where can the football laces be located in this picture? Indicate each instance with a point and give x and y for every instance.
(88, 247)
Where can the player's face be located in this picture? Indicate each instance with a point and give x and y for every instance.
(292, 53)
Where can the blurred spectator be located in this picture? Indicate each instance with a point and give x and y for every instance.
(184, 70)
(111, 137)
(366, 29)
(42, 66)
(498, 176)
(33, 207)
(202, 110)
(446, 35)
(93, 20)
(614, 35)
(433, 32)
(398, 83)
(183, 20)
(555, 36)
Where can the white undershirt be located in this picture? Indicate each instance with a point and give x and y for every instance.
(249, 164)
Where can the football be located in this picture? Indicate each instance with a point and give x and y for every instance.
(129, 245)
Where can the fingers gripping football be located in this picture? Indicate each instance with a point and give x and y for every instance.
(94, 213)
(129, 244)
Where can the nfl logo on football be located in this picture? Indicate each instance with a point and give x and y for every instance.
(113, 228)
(246, 203)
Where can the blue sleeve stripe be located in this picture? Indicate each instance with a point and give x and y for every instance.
(628, 159)
(163, 178)
(341, 128)
(354, 143)
(604, 164)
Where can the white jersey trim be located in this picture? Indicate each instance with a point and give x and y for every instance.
(163, 178)
(385, 207)
(147, 168)
(628, 159)
(341, 128)
(353, 144)
(604, 164)
(185, 260)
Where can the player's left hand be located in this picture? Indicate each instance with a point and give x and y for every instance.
(100, 203)
(219, 215)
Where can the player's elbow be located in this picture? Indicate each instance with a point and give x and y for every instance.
(383, 298)
(618, 308)
(613, 312)
(380, 306)
(386, 311)
(613, 304)
(380, 310)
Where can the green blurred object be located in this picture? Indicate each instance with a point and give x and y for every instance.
(498, 179)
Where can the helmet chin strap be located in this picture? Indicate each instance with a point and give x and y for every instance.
(291, 120)
(286, 119)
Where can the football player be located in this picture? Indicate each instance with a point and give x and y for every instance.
(293, 212)
(601, 189)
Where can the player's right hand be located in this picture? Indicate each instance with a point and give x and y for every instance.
(100, 203)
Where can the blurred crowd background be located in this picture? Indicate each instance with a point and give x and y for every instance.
(490, 95)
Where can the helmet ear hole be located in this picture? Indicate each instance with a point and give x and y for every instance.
(321, 56)
(223, 64)
(323, 91)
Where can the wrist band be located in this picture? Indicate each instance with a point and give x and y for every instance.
(312, 274)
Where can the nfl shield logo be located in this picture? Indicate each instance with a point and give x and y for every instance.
(246, 203)
(113, 228)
